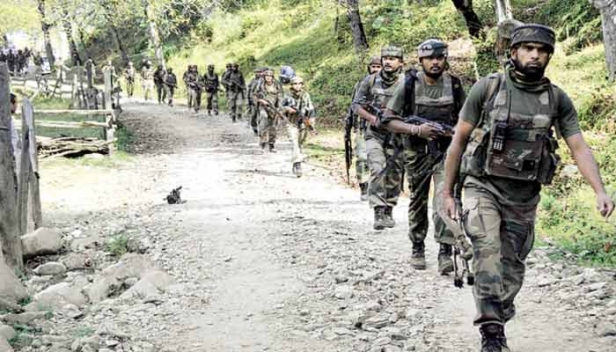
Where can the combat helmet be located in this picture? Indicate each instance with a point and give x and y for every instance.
(432, 47)
(535, 33)
(375, 60)
(297, 79)
(392, 51)
(210, 66)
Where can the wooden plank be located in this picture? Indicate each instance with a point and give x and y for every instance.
(71, 124)
(75, 112)
(36, 211)
(9, 217)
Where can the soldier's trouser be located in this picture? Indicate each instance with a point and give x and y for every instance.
(130, 88)
(502, 234)
(236, 100)
(421, 169)
(147, 89)
(169, 92)
(160, 92)
(212, 101)
(361, 158)
(385, 187)
(267, 127)
(295, 136)
(195, 99)
(254, 117)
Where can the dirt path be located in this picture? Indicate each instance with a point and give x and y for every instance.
(267, 262)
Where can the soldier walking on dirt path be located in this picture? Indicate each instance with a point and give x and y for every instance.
(437, 96)
(159, 82)
(212, 84)
(253, 111)
(299, 111)
(225, 76)
(385, 167)
(360, 126)
(147, 79)
(504, 149)
(237, 91)
(193, 82)
(268, 96)
(129, 76)
(171, 83)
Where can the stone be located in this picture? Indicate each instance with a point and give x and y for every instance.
(595, 287)
(378, 321)
(150, 285)
(57, 297)
(570, 171)
(4, 345)
(343, 292)
(599, 294)
(7, 332)
(23, 318)
(11, 290)
(76, 261)
(112, 277)
(606, 329)
(43, 241)
(50, 268)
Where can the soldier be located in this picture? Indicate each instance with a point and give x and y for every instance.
(269, 95)
(385, 167)
(159, 82)
(193, 82)
(300, 118)
(253, 112)
(505, 150)
(129, 77)
(210, 78)
(147, 76)
(11, 60)
(361, 163)
(435, 95)
(171, 83)
(224, 84)
(237, 88)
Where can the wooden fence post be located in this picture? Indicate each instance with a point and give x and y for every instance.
(29, 193)
(9, 217)
(108, 87)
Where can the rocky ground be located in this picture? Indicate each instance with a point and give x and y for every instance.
(257, 260)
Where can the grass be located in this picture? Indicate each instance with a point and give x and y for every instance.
(117, 245)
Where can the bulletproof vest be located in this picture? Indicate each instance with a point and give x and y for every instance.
(269, 92)
(148, 73)
(192, 77)
(237, 78)
(438, 110)
(211, 81)
(510, 144)
(381, 94)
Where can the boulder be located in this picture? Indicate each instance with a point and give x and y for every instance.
(41, 242)
(23, 318)
(7, 332)
(111, 279)
(76, 261)
(50, 268)
(4, 345)
(11, 289)
(151, 284)
(57, 297)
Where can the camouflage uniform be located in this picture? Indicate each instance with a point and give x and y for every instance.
(171, 83)
(253, 111)
(272, 93)
(385, 167)
(159, 82)
(509, 155)
(193, 82)
(298, 100)
(441, 103)
(129, 77)
(147, 80)
(212, 83)
(237, 87)
(223, 80)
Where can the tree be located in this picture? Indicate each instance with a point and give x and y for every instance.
(111, 13)
(153, 31)
(503, 10)
(67, 24)
(45, 26)
(360, 42)
(608, 16)
(473, 23)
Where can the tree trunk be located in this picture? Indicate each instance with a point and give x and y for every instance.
(473, 23)
(9, 216)
(503, 10)
(68, 28)
(360, 41)
(83, 42)
(153, 30)
(109, 13)
(608, 16)
(45, 26)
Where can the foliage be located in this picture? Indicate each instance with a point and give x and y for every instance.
(117, 245)
(123, 139)
(18, 15)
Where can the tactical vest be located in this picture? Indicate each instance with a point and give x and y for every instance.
(380, 96)
(509, 144)
(438, 110)
(211, 82)
(269, 92)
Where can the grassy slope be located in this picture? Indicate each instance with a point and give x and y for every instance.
(305, 37)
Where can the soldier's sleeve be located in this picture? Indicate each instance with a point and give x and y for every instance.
(459, 97)
(473, 106)
(567, 122)
(361, 96)
(309, 105)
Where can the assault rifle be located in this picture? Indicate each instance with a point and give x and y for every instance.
(292, 103)
(348, 145)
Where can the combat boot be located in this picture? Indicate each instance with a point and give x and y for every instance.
(418, 258)
(297, 169)
(216, 112)
(388, 218)
(379, 218)
(263, 146)
(364, 191)
(445, 263)
(272, 149)
(493, 338)
(209, 113)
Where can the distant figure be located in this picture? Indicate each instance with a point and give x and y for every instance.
(171, 83)
(237, 91)
(129, 77)
(210, 79)
(159, 82)
(147, 76)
